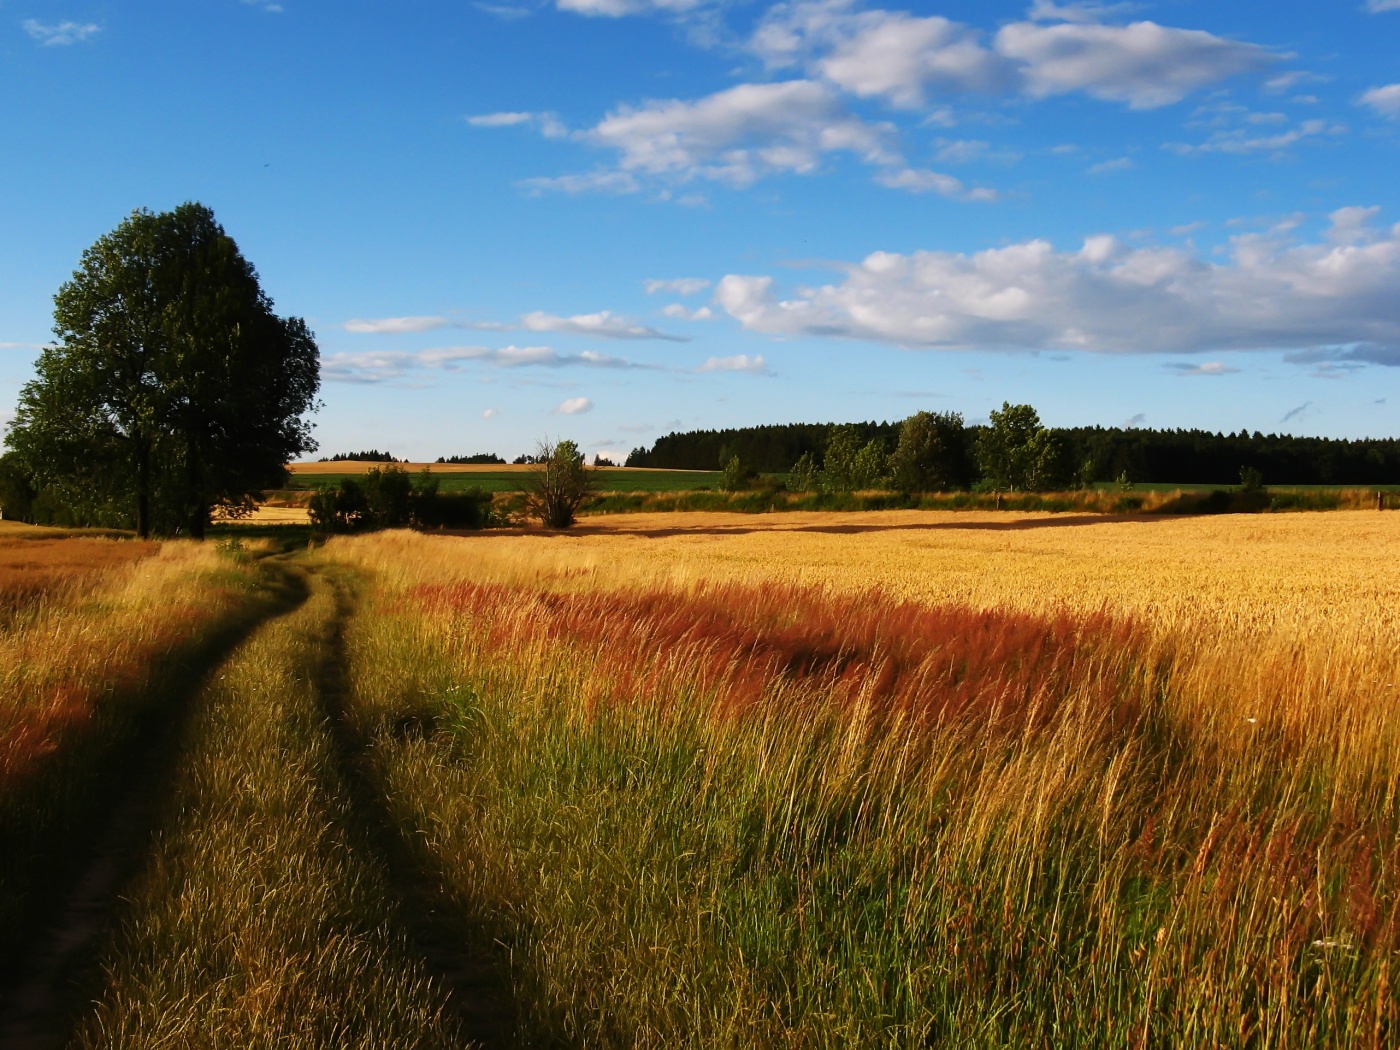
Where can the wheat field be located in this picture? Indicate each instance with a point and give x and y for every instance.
(833, 780)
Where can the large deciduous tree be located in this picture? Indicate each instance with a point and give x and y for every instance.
(932, 453)
(1015, 452)
(174, 387)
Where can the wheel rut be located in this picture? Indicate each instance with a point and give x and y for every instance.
(477, 992)
(47, 985)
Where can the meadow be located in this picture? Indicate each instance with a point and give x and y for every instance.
(902, 779)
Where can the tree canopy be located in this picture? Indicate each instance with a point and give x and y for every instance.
(173, 387)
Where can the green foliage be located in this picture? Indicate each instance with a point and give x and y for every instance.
(174, 388)
(16, 493)
(1016, 453)
(559, 484)
(805, 475)
(1251, 480)
(735, 476)
(389, 498)
(932, 453)
(852, 465)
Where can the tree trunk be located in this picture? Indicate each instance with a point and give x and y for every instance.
(199, 501)
(143, 487)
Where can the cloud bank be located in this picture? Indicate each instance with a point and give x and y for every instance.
(1334, 297)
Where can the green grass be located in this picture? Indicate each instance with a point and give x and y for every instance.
(806, 873)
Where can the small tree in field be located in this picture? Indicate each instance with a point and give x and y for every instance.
(559, 483)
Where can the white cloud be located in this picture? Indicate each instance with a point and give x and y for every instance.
(490, 413)
(395, 325)
(903, 58)
(906, 59)
(1143, 64)
(1384, 100)
(683, 313)
(619, 8)
(755, 365)
(921, 180)
(1047, 11)
(589, 182)
(878, 53)
(60, 34)
(676, 285)
(505, 12)
(573, 406)
(1209, 368)
(266, 5)
(739, 135)
(1108, 167)
(1241, 140)
(500, 120)
(549, 124)
(378, 366)
(1377, 6)
(1272, 292)
(604, 323)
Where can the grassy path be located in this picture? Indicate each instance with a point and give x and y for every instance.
(271, 905)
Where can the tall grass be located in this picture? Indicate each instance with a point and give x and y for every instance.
(260, 921)
(86, 660)
(753, 814)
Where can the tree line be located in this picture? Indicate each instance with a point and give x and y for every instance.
(1046, 457)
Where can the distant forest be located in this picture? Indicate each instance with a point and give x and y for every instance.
(1187, 457)
(479, 458)
(372, 456)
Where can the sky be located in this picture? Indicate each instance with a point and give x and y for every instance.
(604, 220)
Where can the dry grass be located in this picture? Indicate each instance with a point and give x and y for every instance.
(880, 780)
(80, 666)
(259, 921)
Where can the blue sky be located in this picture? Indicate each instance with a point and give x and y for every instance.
(607, 219)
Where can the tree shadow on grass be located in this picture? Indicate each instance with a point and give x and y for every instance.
(456, 944)
(74, 834)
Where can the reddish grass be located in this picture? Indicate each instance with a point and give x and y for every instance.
(30, 568)
(933, 664)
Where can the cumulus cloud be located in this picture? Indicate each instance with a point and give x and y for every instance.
(1377, 6)
(739, 135)
(379, 366)
(676, 285)
(922, 180)
(1143, 64)
(683, 313)
(60, 34)
(1271, 292)
(1060, 49)
(573, 406)
(1383, 100)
